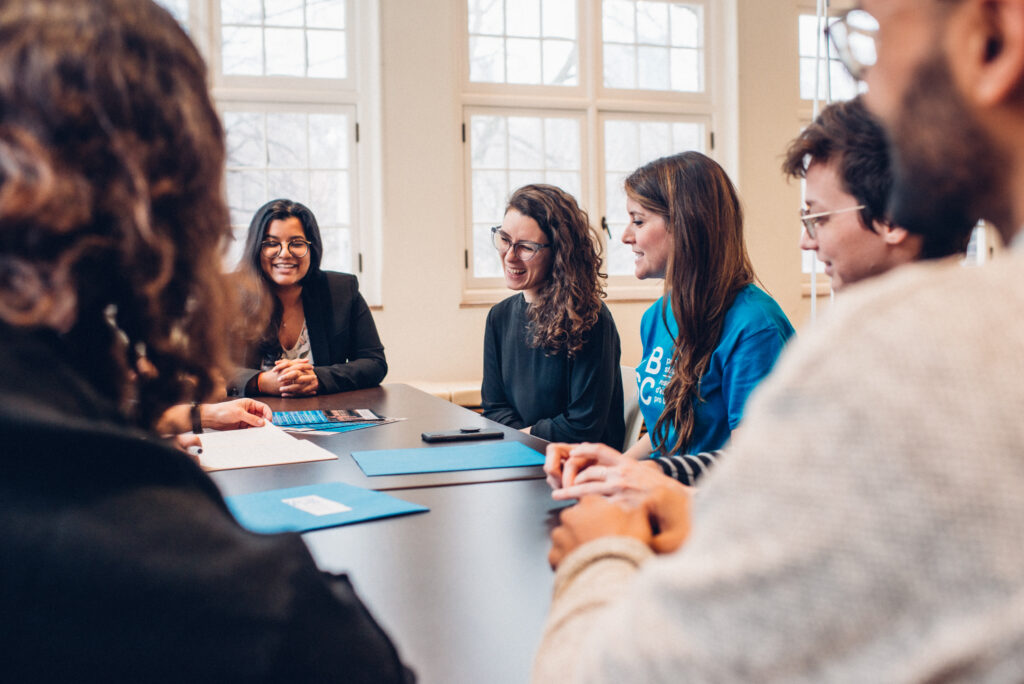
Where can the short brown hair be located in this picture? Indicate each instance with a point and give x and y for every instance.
(847, 134)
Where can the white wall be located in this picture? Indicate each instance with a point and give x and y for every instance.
(428, 335)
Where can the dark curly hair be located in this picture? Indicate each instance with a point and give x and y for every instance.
(112, 218)
(707, 268)
(568, 304)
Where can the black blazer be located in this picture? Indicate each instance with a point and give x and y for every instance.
(347, 352)
(119, 560)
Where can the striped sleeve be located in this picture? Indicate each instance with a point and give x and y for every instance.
(688, 468)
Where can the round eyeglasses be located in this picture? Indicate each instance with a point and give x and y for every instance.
(853, 34)
(811, 221)
(524, 250)
(298, 248)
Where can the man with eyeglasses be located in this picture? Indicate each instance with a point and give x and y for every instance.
(844, 158)
(868, 524)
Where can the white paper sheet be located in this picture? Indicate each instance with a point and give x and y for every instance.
(252, 447)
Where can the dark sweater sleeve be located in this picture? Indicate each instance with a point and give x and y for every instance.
(594, 374)
(493, 398)
(357, 355)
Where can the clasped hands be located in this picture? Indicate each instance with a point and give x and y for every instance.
(289, 378)
(619, 496)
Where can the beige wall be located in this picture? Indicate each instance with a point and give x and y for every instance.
(428, 335)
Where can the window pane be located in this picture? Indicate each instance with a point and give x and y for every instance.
(568, 181)
(486, 59)
(337, 249)
(283, 12)
(489, 135)
(291, 184)
(653, 45)
(287, 140)
(325, 14)
(245, 144)
(242, 51)
(241, 12)
(652, 68)
(617, 23)
(686, 26)
(687, 70)
(327, 58)
(328, 135)
(523, 60)
(329, 197)
(539, 149)
(559, 18)
(296, 38)
(687, 136)
(559, 62)
(652, 23)
(522, 18)
(490, 191)
(486, 16)
(525, 142)
(562, 144)
(655, 140)
(286, 52)
(619, 66)
(247, 192)
(505, 43)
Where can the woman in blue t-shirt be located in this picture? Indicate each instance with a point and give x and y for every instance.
(707, 342)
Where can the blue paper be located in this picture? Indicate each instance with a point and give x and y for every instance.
(268, 511)
(447, 458)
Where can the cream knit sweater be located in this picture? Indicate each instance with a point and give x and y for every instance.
(867, 525)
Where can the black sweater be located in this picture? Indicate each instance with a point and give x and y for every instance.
(119, 560)
(564, 399)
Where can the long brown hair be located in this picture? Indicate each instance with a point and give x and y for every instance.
(568, 304)
(112, 221)
(708, 266)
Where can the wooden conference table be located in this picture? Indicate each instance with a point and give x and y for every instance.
(462, 589)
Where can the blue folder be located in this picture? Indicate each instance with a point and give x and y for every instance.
(313, 507)
(447, 458)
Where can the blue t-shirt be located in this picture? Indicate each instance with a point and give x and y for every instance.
(753, 334)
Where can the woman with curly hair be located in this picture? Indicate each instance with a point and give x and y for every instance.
(120, 558)
(551, 352)
(319, 336)
(707, 342)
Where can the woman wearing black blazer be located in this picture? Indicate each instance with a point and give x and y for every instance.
(320, 337)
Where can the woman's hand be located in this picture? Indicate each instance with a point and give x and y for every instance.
(599, 469)
(554, 456)
(289, 378)
(234, 414)
(296, 377)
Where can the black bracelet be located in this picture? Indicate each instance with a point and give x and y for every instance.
(197, 422)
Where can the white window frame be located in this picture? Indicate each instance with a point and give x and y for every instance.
(715, 107)
(360, 90)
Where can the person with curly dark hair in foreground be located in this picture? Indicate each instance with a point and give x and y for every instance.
(119, 558)
(551, 353)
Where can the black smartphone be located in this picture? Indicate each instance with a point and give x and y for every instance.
(462, 434)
